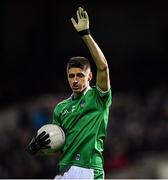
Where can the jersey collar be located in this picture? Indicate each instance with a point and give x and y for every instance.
(85, 91)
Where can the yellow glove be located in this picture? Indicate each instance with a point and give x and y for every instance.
(83, 20)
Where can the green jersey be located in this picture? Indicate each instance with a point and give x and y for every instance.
(84, 121)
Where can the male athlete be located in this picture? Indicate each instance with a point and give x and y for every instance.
(84, 115)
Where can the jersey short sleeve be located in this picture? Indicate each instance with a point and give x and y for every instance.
(56, 115)
(105, 97)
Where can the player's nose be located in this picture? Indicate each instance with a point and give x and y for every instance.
(75, 79)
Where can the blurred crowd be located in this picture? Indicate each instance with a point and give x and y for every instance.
(138, 128)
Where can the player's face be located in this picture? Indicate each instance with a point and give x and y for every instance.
(79, 79)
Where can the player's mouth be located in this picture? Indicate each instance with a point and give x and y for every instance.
(75, 87)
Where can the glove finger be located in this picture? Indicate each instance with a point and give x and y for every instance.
(45, 143)
(30, 150)
(78, 15)
(33, 146)
(73, 22)
(80, 8)
(86, 15)
(35, 135)
(43, 138)
(46, 147)
(82, 12)
(40, 135)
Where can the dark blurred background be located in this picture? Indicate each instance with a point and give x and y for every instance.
(37, 41)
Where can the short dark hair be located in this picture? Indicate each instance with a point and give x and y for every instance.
(78, 62)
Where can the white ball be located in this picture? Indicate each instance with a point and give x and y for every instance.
(56, 136)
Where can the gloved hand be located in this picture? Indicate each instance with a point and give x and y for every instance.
(38, 142)
(83, 20)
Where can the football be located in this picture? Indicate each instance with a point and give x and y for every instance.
(56, 136)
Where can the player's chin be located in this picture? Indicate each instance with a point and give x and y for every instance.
(77, 90)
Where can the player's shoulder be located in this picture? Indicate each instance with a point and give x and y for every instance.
(61, 104)
(64, 102)
(92, 89)
(96, 89)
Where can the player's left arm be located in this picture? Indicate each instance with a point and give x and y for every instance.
(102, 76)
(102, 79)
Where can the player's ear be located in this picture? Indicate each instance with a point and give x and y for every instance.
(90, 76)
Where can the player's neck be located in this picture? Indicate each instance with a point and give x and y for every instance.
(77, 95)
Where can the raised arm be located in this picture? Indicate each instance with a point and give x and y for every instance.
(82, 27)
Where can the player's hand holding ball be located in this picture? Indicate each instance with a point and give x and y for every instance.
(48, 140)
(40, 141)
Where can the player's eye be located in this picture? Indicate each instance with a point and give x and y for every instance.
(71, 75)
(80, 75)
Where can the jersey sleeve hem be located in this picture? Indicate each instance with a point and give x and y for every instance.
(101, 91)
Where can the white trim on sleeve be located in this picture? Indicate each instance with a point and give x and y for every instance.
(100, 90)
